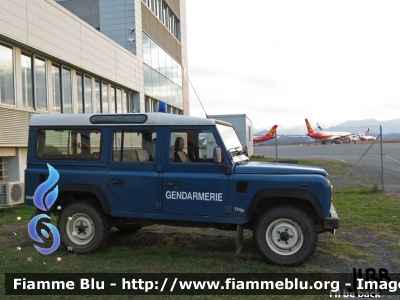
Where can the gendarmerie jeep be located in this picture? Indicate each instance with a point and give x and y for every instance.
(134, 170)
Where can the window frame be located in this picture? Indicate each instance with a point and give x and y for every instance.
(71, 158)
(13, 90)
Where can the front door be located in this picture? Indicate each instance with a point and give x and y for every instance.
(192, 183)
(132, 173)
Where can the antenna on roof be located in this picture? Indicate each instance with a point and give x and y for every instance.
(187, 75)
(196, 93)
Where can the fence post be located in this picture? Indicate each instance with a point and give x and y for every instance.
(383, 188)
(276, 146)
(352, 168)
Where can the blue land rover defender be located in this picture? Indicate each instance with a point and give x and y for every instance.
(134, 170)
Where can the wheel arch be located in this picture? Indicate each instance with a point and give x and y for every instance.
(270, 196)
(96, 191)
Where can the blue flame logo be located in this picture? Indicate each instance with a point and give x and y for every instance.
(44, 203)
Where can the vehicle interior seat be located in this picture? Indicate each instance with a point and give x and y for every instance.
(142, 155)
(129, 155)
(179, 154)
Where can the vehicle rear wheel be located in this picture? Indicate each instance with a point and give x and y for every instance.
(285, 235)
(129, 227)
(83, 226)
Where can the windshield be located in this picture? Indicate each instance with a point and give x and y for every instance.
(232, 143)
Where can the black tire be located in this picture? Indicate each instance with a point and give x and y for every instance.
(285, 235)
(83, 226)
(129, 227)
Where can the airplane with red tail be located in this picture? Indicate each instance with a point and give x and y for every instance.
(269, 136)
(325, 136)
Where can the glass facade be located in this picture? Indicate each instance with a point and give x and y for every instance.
(162, 74)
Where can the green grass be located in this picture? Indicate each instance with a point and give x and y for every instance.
(9, 215)
(363, 208)
(181, 250)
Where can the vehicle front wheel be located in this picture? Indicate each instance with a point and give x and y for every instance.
(83, 226)
(285, 235)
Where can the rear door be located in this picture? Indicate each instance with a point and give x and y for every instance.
(132, 173)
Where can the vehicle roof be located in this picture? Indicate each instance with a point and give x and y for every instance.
(152, 119)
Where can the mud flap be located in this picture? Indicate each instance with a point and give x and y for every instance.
(239, 238)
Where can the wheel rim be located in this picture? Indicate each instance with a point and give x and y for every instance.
(80, 228)
(284, 237)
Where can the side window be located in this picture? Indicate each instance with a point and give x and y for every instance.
(134, 145)
(68, 144)
(192, 146)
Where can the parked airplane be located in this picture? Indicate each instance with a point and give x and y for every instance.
(269, 136)
(363, 137)
(326, 136)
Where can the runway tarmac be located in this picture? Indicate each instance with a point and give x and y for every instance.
(346, 153)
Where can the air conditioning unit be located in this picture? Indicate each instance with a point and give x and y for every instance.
(11, 193)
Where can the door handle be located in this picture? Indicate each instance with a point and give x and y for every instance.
(119, 181)
(175, 185)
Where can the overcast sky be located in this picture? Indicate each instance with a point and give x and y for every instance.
(282, 61)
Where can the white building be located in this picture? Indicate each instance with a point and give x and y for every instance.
(86, 56)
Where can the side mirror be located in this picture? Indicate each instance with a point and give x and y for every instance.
(217, 157)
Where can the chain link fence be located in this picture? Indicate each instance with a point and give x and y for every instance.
(358, 157)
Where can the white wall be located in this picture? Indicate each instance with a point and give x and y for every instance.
(46, 26)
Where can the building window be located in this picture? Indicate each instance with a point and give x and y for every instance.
(88, 95)
(159, 9)
(97, 90)
(67, 91)
(104, 97)
(56, 89)
(147, 104)
(6, 75)
(113, 107)
(79, 88)
(27, 81)
(119, 101)
(154, 106)
(37, 100)
(130, 104)
(40, 84)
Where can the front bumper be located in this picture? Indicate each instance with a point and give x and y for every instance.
(332, 222)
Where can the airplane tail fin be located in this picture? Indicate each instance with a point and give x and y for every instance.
(272, 131)
(309, 128)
